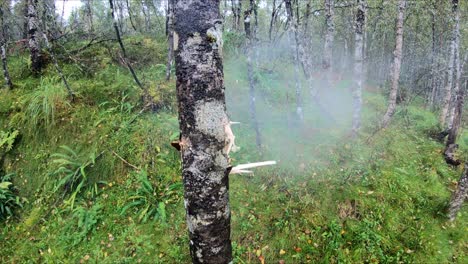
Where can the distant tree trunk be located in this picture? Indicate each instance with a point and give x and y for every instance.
(456, 87)
(272, 20)
(293, 38)
(397, 54)
(204, 125)
(358, 65)
(451, 61)
(236, 6)
(250, 47)
(329, 37)
(26, 19)
(122, 47)
(4, 7)
(170, 38)
(89, 15)
(37, 60)
(460, 195)
(130, 15)
(433, 61)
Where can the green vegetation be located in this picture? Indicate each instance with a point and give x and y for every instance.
(96, 180)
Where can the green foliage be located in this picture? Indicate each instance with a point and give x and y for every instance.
(6, 140)
(84, 222)
(149, 201)
(9, 200)
(71, 170)
(42, 106)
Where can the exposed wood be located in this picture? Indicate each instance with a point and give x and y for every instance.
(459, 196)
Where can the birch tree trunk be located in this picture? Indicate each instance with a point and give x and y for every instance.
(329, 37)
(397, 54)
(250, 72)
(358, 65)
(204, 124)
(448, 87)
(170, 38)
(292, 38)
(459, 196)
(37, 61)
(456, 85)
(122, 48)
(3, 43)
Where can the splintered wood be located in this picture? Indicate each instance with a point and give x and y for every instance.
(242, 168)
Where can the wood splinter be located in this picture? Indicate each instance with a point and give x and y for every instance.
(242, 168)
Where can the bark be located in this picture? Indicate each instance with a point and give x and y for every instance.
(89, 15)
(130, 15)
(293, 42)
(122, 48)
(459, 196)
(249, 50)
(272, 20)
(433, 63)
(358, 65)
(448, 87)
(397, 54)
(454, 102)
(204, 127)
(170, 38)
(37, 60)
(3, 44)
(329, 37)
(236, 6)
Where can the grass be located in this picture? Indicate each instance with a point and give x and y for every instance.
(331, 199)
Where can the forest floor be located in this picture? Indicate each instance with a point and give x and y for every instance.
(100, 183)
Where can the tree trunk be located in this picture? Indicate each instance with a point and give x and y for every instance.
(122, 47)
(170, 38)
(293, 38)
(236, 6)
(3, 43)
(433, 61)
(456, 87)
(272, 20)
(249, 49)
(397, 54)
(329, 37)
(451, 62)
(358, 65)
(37, 60)
(89, 15)
(204, 125)
(459, 196)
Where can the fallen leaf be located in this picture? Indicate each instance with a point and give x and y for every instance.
(282, 252)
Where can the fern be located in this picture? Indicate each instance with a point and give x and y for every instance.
(71, 169)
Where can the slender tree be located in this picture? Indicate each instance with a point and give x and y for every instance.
(204, 125)
(170, 38)
(396, 66)
(292, 26)
(122, 48)
(4, 7)
(358, 64)
(456, 81)
(329, 37)
(448, 87)
(37, 60)
(250, 72)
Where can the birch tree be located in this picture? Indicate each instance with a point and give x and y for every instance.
(358, 65)
(291, 25)
(456, 83)
(329, 37)
(204, 127)
(250, 72)
(170, 38)
(396, 66)
(451, 62)
(4, 7)
(37, 60)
